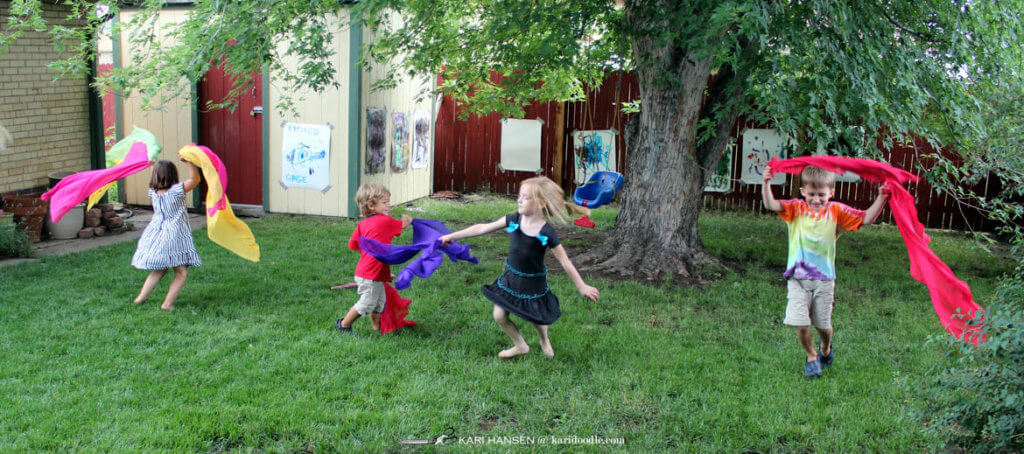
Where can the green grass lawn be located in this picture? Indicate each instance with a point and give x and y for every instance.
(250, 360)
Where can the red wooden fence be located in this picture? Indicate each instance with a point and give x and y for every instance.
(109, 138)
(934, 210)
(467, 153)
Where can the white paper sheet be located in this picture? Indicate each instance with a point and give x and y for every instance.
(520, 145)
(593, 151)
(305, 156)
(759, 147)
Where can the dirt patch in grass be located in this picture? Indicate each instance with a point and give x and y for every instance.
(578, 240)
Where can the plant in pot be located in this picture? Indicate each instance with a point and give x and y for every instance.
(29, 212)
(13, 243)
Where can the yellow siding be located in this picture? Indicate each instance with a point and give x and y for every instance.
(172, 127)
(332, 106)
(329, 107)
(410, 184)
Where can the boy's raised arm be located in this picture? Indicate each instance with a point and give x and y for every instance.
(871, 214)
(766, 192)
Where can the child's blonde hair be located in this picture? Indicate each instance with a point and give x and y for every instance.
(551, 199)
(368, 195)
(816, 176)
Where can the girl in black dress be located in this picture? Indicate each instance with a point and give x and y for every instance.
(522, 288)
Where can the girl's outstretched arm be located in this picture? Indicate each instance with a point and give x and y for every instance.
(193, 177)
(587, 291)
(473, 230)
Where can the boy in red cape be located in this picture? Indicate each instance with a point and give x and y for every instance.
(374, 201)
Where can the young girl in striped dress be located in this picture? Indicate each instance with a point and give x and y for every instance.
(523, 288)
(167, 241)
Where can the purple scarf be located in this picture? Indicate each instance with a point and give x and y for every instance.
(425, 234)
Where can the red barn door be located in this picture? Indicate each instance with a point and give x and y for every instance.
(237, 137)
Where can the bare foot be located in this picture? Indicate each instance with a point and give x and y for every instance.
(548, 351)
(139, 302)
(513, 352)
(167, 307)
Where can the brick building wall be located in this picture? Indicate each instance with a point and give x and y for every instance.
(48, 120)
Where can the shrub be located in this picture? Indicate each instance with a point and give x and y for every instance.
(976, 403)
(14, 243)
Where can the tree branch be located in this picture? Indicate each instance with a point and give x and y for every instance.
(901, 27)
(724, 92)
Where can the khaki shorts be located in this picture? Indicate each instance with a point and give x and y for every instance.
(810, 303)
(371, 296)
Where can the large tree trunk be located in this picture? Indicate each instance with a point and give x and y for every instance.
(656, 230)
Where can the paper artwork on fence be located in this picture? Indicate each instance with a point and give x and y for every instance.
(376, 140)
(720, 180)
(305, 156)
(593, 151)
(759, 147)
(520, 145)
(399, 142)
(421, 139)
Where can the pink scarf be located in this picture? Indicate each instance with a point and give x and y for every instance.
(75, 188)
(950, 296)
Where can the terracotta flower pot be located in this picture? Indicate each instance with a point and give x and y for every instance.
(29, 212)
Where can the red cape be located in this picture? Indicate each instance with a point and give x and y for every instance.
(396, 309)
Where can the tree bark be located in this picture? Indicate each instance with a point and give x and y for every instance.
(656, 231)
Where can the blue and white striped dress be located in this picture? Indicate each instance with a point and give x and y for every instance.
(167, 240)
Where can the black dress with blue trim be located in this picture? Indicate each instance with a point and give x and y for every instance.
(523, 288)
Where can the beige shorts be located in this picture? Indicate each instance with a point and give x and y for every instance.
(371, 296)
(810, 303)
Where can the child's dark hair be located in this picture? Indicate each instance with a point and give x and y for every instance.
(165, 175)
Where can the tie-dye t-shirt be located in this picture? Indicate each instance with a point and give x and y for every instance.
(812, 237)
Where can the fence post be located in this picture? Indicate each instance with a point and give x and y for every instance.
(558, 155)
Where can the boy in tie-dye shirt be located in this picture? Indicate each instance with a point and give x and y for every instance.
(814, 224)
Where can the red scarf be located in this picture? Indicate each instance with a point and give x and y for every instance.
(396, 309)
(951, 297)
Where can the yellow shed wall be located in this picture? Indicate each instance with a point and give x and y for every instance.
(410, 184)
(329, 107)
(172, 127)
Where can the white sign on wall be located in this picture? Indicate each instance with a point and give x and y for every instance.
(759, 147)
(305, 156)
(520, 145)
